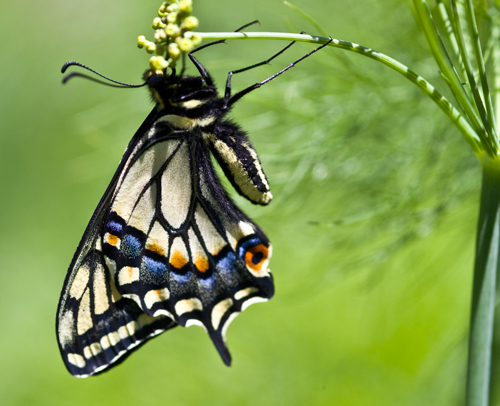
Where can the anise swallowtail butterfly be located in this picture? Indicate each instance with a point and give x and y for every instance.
(166, 245)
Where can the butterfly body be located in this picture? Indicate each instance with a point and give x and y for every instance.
(166, 245)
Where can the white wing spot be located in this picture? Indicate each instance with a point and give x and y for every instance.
(245, 292)
(105, 344)
(134, 297)
(188, 305)
(76, 359)
(219, 311)
(194, 322)
(155, 296)
(128, 275)
(123, 332)
(251, 301)
(114, 338)
(246, 229)
(92, 350)
(132, 327)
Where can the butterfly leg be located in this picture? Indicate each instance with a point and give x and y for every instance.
(230, 101)
(203, 72)
(227, 94)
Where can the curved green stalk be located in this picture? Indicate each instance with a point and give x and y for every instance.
(453, 114)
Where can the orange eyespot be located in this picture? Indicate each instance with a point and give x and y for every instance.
(256, 256)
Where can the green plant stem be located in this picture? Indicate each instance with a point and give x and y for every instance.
(486, 268)
(453, 114)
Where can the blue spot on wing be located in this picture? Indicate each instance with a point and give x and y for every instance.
(115, 227)
(180, 279)
(153, 266)
(227, 264)
(208, 283)
(131, 246)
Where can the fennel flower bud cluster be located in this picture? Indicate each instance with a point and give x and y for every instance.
(173, 34)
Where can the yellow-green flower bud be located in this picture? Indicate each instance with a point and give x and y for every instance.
(190, 23)
(173, 51)
(158, 63)
(172, 18)
(185, 6)
(196, 38)
(173, 8)
(150, 47)
(141, 41)
(157, 23)
(160, 35)
(185, 44)
(162, 10)
(172, 30)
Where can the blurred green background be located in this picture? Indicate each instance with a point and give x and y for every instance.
(373, 223)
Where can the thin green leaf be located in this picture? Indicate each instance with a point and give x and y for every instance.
(476, 46)
(447, 68)
(489, 138)
(452, 39)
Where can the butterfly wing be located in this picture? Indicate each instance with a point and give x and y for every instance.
(167, 246)
(96, 327)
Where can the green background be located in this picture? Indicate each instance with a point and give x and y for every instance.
(373, 222)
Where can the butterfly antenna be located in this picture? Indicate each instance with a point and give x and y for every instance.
(71, 75)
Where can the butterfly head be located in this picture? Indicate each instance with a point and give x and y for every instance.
(174, 90)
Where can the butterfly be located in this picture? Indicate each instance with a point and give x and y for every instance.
(166, 246)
